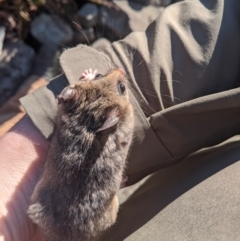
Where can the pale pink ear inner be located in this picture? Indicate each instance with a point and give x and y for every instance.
(112, 119)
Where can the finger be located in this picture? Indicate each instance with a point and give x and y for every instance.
(38, 236)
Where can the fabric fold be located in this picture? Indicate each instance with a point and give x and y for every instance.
(41, 105)
(183, 73)
(199, 123)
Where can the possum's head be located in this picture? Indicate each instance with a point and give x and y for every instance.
(99, 104)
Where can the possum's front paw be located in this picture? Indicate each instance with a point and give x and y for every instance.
(88, 74)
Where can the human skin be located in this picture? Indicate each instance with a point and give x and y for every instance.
(22, 154)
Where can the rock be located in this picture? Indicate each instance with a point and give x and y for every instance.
(166, 3)
(125, 18)
(113, 23)
(84, 36)
(8, 21)
(175, 1)
(46, 63)
(88, 15)
(51, 30)
(101, 43)
(2, 36)
(157, 3)
(16, 64)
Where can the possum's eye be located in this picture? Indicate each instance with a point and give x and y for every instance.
(98, 76)
(121, 88)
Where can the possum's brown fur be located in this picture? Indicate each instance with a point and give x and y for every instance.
(75, 200)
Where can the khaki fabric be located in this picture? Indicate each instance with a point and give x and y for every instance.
(195, 200)
(11, 112)
(184, 75)
(184, 79)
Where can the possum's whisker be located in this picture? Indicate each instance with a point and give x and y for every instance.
(80, 29)
(178, 72)
(146, 112)
(165, 80)
(165, 101)
(146, 90)
(163, 118)
(96, 27)
(63, 45)
(131, 54)
(151, 95)
(112, 28)
(155, 96)
(148, 106)
(152, 109)
(140, 99)
(134, 52)
(172, 81)
(141, 62)
(171, 97)
(109, 65)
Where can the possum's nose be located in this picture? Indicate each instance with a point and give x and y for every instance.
(121, 70)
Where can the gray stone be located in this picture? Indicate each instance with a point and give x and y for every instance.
(113, 23)
(2, 36)
(46, 63)
(126, 17)
(175, 1)
(51, 30)
(101, 43)
(88, 15)
(84, 36)
(166, 3)
(16, 64)
(158, 3)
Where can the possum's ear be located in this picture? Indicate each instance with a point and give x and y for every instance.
(68, 93)
(112, 119)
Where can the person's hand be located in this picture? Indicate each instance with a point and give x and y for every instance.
(22, 154)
